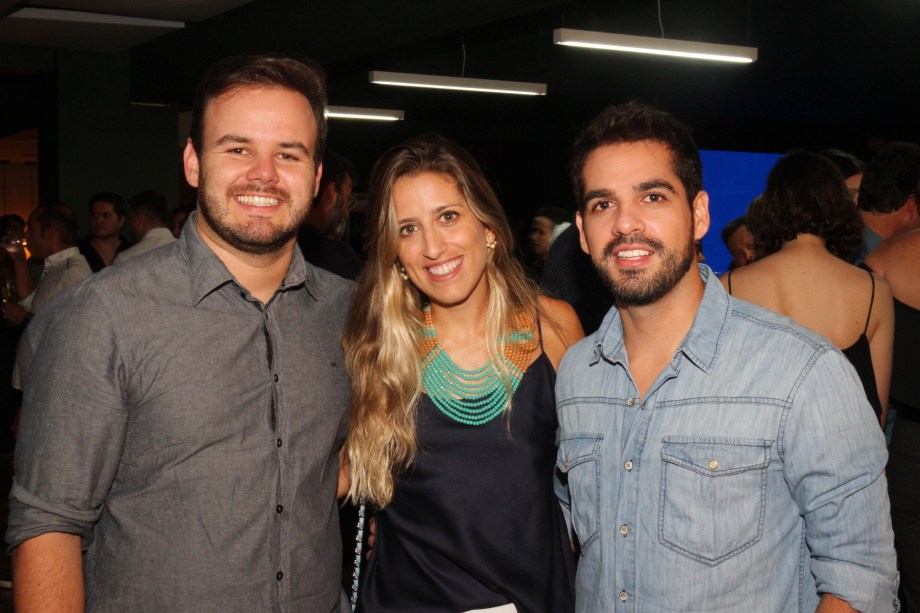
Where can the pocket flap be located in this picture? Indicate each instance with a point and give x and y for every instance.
(577, 449)
(716, 457)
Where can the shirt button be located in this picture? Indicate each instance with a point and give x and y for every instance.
(279, 576)
(629, 403)
(628, 465)
(623, 594)
(276, 378)
(624, 529)
(713, 464)
(278, 442)
(279, 508)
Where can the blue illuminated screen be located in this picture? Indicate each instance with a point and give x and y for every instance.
(732, 179)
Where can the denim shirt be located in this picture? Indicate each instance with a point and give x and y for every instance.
(748, 478)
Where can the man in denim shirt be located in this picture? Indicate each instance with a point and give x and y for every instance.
(713, 456)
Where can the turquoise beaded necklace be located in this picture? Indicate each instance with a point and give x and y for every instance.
(471, 397)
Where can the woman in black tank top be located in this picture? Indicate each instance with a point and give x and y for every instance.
(806, 229)
(452, 432)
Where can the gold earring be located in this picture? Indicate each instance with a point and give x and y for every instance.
(490, 243)
(402, 273)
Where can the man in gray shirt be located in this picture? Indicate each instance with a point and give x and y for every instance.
(181, 426)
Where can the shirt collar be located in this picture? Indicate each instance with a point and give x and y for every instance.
(157, 232)
(207, 273)
(700, 345)
(61, 257)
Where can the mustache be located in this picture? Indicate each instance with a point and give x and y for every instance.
(630, 240)
(255, 189)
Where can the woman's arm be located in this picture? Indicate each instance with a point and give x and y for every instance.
(344, 475)
(881, 341)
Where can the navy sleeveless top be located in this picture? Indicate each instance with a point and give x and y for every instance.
(474, 522)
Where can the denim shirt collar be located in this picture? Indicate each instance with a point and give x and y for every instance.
(700, 346)
(207, 273)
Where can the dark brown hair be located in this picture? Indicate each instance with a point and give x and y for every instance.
(60, 217)
(806, 194)
(633, 122)
(302, 76)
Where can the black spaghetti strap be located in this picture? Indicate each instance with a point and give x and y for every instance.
(871, 301)
(729, 281)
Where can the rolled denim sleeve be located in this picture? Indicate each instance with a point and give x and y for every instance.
(73, 421)
(835, 456)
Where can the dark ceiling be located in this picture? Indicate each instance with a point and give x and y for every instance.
(841, 73)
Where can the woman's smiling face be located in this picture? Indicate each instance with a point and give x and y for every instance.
(442, 245)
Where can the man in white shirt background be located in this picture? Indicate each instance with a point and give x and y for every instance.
(148, 218)
(51, 235)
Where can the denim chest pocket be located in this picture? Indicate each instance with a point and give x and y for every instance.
(713, 494)
(577, 460)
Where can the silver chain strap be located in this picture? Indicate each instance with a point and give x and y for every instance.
(359, 546)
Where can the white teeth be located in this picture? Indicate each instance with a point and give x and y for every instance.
(444, 269)
(633, 253)
(258, 200)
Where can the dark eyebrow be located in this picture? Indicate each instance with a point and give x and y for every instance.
(596, 193)
(652, 184)
(299, 146)
(233, 139)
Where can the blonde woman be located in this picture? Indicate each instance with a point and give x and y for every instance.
(452, 433)
(807, 229)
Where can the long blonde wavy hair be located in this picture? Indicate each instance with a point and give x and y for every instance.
(381, 336)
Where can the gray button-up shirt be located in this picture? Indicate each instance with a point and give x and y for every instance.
(189, 434)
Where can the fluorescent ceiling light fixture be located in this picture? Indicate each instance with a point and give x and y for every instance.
(43, 14)
(357, 112)
(654, 46)
(490, 86)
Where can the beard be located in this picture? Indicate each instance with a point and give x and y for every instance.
(257, 236)
(638, 287)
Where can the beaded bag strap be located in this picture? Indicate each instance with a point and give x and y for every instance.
(359, 546)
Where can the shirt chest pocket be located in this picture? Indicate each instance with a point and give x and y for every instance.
(712, 495)
(577, 462)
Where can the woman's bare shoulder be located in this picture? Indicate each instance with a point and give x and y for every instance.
(560, 326)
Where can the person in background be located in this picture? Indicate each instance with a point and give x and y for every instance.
(545, 226)
(178, 218)
(11, 240)
(329, 209)
(452, 356)
(570, 276)
(889, 195)
(107, 212)
(851, 167)
(51, 236)
(148, 214)
(897, 260)
(807, 231)
(713, 455)
(739, 242)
